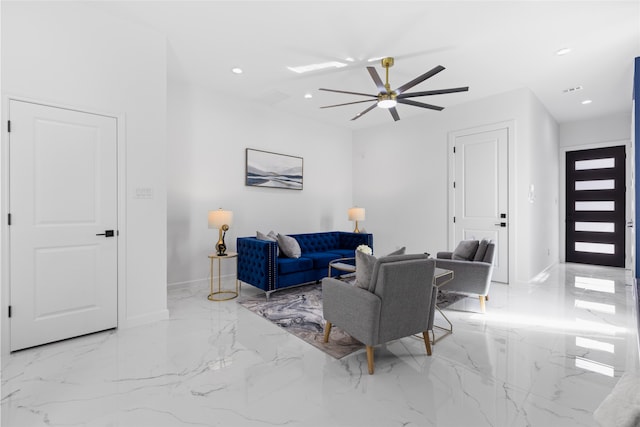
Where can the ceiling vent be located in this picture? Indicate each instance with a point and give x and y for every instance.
(572, 89)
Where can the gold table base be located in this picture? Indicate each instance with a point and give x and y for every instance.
(225, 295)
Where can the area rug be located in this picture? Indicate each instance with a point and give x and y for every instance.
(298, 310)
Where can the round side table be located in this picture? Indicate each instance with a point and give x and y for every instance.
(221, 294)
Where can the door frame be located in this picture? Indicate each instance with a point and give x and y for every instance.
(510, 125)
(629, 196)
(5, 285)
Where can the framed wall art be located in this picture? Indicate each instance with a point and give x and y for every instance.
(266, 169)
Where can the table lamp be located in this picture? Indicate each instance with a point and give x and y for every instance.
(221, 220)
(356, 214)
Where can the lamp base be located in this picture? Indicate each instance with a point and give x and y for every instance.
(221, 248)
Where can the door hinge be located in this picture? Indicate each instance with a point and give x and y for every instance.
(454, 219)
(10, 312)
(454, 184)
(9, 219)
(8, 125)
(454, 150)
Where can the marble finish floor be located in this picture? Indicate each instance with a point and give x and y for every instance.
(546, 353)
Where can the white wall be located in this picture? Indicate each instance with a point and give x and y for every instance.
(400, 177)
(66, 54)
(207, 142)
(616, 127)
(542, 159)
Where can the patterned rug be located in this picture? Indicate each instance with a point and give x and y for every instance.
(298, 310)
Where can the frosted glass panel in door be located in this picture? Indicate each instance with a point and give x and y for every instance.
(600, 248)
(595, 206)
(595, 164)
(598, 227)
(599, 184)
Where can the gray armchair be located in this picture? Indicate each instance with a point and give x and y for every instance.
(400, 302)
(472, 269)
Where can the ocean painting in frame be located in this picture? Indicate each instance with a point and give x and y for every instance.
(265, 169)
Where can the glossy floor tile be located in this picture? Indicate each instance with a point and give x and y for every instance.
(546, 353)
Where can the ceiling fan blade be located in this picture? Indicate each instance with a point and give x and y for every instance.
(419, 104)
(348, 103)
(433, 92)
(364, 112)
(394, 113)
(376, 79)
(349, 93)
(419, 79)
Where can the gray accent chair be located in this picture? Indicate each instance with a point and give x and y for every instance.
(470, 276)
(400, 302)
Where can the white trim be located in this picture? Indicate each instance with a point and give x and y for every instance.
(5, 285)
(630, 197)
(510, 125)
(192, 282)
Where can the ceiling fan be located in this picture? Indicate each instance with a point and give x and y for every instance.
(387, 98)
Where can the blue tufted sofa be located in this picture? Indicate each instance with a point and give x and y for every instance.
(259, 264)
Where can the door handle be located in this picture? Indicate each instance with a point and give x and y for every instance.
(107, 233)
(501, 224)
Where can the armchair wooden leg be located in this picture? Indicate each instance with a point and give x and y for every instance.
(486, 297)
(427, 342)
(327, 331)
(482, 299)
(370, 359)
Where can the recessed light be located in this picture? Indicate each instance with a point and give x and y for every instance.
(349, 59)
(563, 51)
(236, 70)
(308, 96)
(586, 101)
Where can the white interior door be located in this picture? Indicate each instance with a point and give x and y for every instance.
(63, 197)
(481, 193)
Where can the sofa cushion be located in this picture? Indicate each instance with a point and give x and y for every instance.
(465, 250)
(271, 237)
(317, 242)
(400, 251)
(294, 265)
(364, 269)
(322, 259)
(482, 250)
(289, 246)
(344, 253)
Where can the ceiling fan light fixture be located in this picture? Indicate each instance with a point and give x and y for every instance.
(387, 103)
(387, 100)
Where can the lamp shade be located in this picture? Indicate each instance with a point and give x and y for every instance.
(219, 218)
(356, 214)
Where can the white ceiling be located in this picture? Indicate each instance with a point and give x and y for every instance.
(492, 47)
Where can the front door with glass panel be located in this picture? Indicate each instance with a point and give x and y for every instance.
(596, 206)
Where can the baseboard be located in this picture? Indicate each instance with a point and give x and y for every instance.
(188, 283)
(227, 278)
(144, 319)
